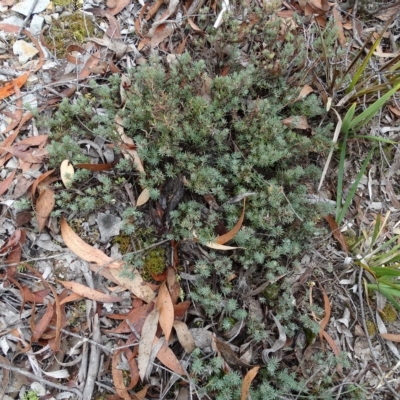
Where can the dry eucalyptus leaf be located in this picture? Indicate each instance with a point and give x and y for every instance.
(143, 197)
(184, 336)
(67, 173)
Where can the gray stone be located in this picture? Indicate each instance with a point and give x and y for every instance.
(109, 225)
(25, 6)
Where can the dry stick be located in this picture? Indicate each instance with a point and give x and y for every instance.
(32, 259)
(41, 380)
(84, 339)
(360, 297)
(94, 360)
(27, 17)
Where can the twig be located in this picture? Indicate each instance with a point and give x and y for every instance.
(32, 259)
(94, 360)
(41, 380)
(360, 297)
(27, 17)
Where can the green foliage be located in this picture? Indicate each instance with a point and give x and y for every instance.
(31, 395)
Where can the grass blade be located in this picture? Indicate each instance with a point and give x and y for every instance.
(353, 189)
(341, 175)
(370, 112)
(348, 117)
(376, 138)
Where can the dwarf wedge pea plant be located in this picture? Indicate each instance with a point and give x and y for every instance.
(221, 135)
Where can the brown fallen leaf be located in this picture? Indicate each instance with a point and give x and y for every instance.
(72, 297)
(33, 297)
(232, 233)
(164, 304)
(43, 323)
(5, 184)
(34, 156)
(9, 88)
(134, 283)
(181, 308)
(338, 235)
(17, 115)
(44, 206)
(67, 173)
(304, 92)
(247, 382)
(38, 181)
(118, 376)
(168, 358)
(296, 122)
(390, 336)
(136, 317)
(228, 355)
(161, 33)
(143, 197)
(82, 249)
(339, 26)
(89, 293)
(146, 341)
(184, 336)
(12, 241)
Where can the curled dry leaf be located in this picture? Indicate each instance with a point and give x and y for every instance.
(67, 173)
(143, 197)
(146, 342)
(164, 304)
(89, 293)
(184, 336)
(221, 240)
(44, 206)
(228, 354)
(278, 344)
(232, 233)
(247, 382)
